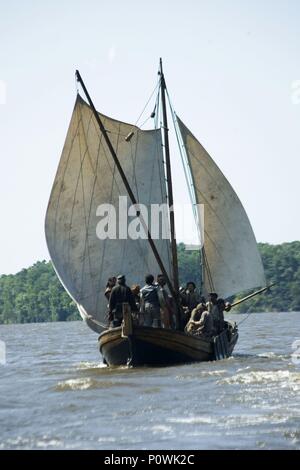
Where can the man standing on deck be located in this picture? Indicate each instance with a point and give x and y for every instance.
(150, 307)
(120, 294)
(165, 305)
(111, 282)
(191, 298)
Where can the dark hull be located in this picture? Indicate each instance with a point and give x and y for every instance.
(160, 347)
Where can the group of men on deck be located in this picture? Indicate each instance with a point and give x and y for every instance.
(152, 306)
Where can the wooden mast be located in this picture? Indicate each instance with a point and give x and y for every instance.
(127, 186)
(169, 182)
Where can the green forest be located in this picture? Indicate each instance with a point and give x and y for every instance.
(36, 295)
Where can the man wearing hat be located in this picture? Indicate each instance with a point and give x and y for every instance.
(217, 307)
(120, 294)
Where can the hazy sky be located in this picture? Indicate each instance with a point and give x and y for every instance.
(232, 68)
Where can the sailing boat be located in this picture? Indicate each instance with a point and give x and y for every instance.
(104, 159)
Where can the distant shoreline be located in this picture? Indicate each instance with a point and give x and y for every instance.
(242, 314)
(35, 295)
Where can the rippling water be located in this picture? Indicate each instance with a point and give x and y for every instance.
(55, 393)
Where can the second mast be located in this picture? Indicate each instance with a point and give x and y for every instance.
(169, 181)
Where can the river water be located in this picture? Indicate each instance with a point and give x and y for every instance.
(55, 393)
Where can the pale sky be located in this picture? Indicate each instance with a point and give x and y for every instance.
(232, 69)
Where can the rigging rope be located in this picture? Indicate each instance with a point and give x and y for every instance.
(161, 168)
(207, 267)
(244, 319)
(144, 108)
(190, 184)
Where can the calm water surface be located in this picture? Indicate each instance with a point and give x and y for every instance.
(55, 393)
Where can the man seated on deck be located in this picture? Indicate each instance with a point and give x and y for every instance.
(120, 294)
(195, 317)
(197, 312)
(201, 323)
(150, 306)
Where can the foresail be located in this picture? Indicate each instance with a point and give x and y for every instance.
(232, 262)
(87, 178)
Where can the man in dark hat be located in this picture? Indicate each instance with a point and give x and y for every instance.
(111, 282)
(213, 296)
(222, 307)
(120, 294)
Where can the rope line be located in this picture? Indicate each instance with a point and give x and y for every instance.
(189, 181)
(244, 319)
(143, 110)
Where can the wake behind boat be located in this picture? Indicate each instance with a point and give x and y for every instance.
(111, 169)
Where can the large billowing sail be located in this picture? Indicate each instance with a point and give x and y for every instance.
(87, 178)
(231, 259)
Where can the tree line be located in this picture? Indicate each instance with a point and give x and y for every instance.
(36, 295)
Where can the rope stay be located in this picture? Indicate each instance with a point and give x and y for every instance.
(192, 195)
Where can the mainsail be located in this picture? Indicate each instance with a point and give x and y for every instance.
(87, 178)
(230, 255)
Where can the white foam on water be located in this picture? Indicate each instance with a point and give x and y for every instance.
(81, 384)
(90, 365)
(284, 378)
(214, 372)
(272, 355)
(15, 442)
(194, 420)
(106, 439)
(30, 443)
(161, 428)
(75, 384)
(294, 381)
(205, 373)
(51, 443)
(231, 421)
(243, 368)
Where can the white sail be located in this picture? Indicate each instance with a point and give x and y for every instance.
(232, 262)
(86, 178)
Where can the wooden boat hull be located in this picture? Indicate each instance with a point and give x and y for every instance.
(161, 347)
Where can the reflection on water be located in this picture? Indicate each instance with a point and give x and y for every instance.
(55, 393)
